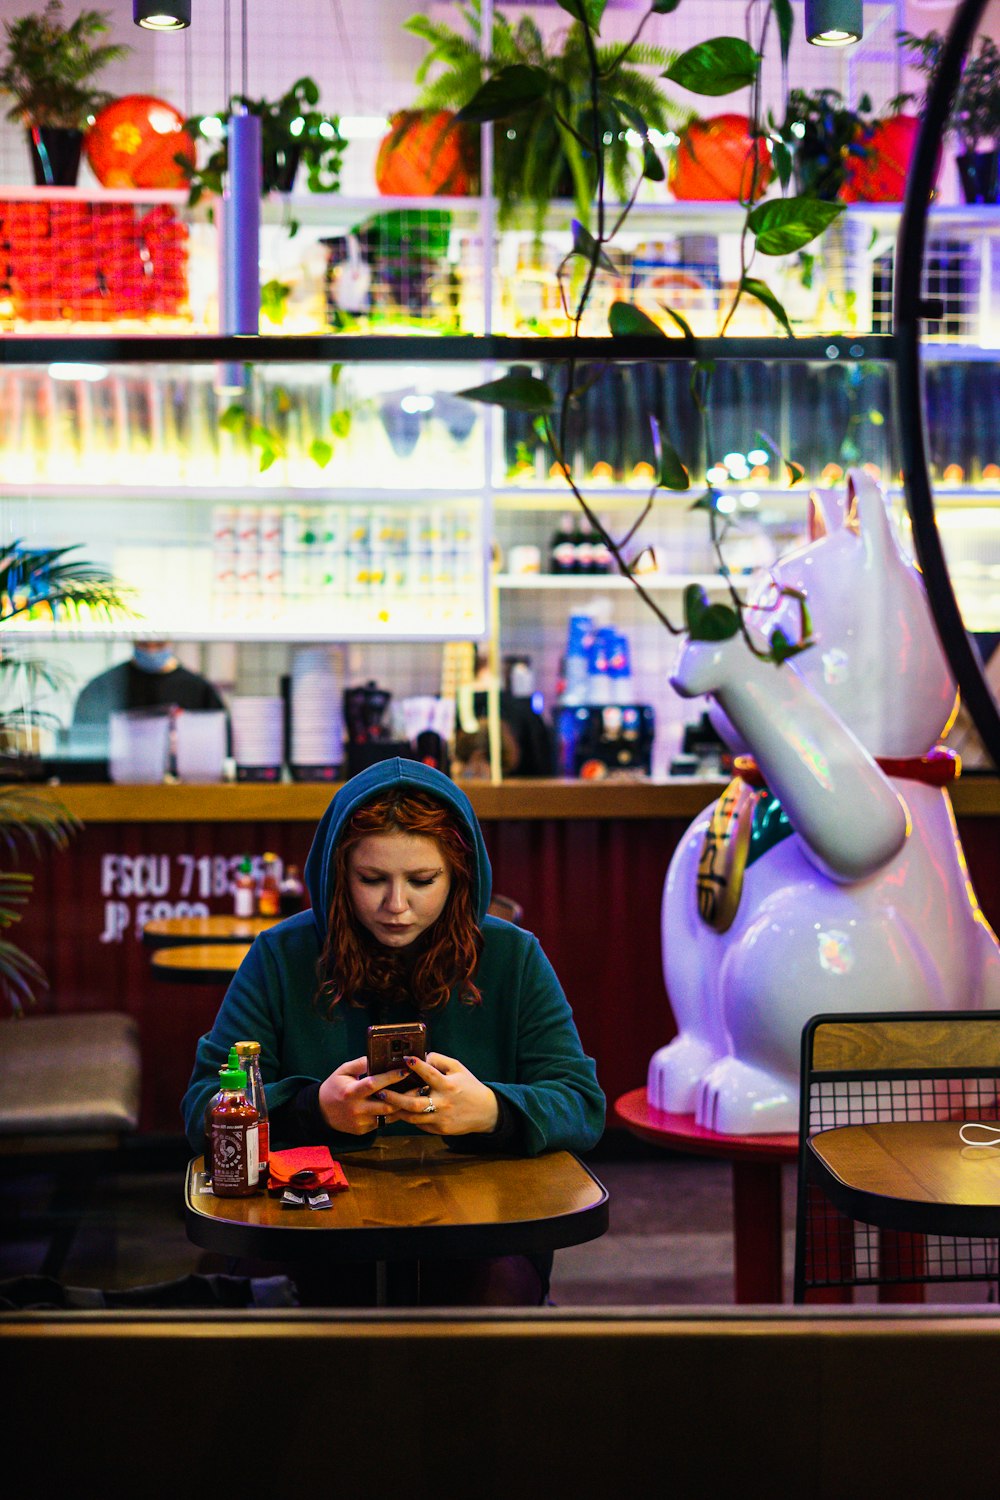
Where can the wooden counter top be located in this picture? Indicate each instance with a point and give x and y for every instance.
(676, 797)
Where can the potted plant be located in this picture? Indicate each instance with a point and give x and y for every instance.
(822, 135)
(975, 114)
(54, 581)
(50, 69)
(293, 132)
(538, 157)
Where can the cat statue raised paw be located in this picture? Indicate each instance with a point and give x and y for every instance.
(829, 876)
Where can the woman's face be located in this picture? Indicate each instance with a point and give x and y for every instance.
(398, 884)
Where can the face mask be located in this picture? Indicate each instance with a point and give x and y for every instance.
(153, 661)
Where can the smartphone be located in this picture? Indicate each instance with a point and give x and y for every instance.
(388, 1045)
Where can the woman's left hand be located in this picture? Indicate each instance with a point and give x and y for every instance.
(452, 1101)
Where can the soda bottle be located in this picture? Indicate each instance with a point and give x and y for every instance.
(244, 890)
(249, 1060)
(562, 549)
(234, 1136)
(269, 894)
(291, 892)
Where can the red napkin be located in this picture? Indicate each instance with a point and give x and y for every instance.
(329, 1174)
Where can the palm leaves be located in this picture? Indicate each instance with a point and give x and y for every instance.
(544, 151)
(48, 581)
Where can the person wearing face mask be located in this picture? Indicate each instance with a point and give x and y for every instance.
(152, 678)
(400, 882)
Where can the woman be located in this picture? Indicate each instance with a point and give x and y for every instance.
(400, 881)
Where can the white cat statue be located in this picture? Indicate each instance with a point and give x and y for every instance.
(829, 876)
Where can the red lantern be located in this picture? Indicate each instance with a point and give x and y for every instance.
(133, 142)
(714, 161)
(424, 154)
(880, 175)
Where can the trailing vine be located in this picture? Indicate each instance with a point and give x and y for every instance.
(776, 227)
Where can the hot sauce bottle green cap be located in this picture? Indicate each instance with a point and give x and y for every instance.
(232, 1076)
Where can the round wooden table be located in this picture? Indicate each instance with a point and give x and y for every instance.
(201, 963)
(756, 1161)
(411, 1198)
(171, 932)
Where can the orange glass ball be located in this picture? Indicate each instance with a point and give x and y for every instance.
(133, 141)
(714, 161)
(880, 176)
(425, 154)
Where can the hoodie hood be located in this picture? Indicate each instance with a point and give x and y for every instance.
(372, 783)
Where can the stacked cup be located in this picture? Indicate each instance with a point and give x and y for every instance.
(258, 725)
(317, 736)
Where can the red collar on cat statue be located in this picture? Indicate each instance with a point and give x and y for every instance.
(936, 768)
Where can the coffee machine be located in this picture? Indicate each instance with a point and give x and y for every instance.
(597, 740)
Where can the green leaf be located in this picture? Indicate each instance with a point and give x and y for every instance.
(626, 321)
(584, 244)
(540, 429)
(233, 419)
(796, 473)
(652, 167)
(782, 648)
(786, 24)
(682, 323)
(335, 373)
(518, 390)
(707, 502)
(267, 457)
(673, 475)
(320, 452)
(506, 93)
(718, 66)
(762, 292)
(340, 422)
(664, 7)
(784, 225)
(781, 158)
(708, 622)
(589, 11)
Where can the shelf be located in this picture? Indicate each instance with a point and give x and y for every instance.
(580, 582)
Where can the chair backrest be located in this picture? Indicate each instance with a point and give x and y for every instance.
(506, 907)
(873, 1068)
(910, 1065)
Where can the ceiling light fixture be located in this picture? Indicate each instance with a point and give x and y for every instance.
(834, 23)
(162, 15)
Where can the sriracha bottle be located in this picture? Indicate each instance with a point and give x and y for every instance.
(233, 1133)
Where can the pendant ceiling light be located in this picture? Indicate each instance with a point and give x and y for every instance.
(834, 23)
(162, 15)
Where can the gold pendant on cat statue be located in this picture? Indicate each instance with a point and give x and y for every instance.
(723, 858)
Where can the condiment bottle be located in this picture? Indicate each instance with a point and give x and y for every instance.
(291, 892)
(269, 894)
(244, 890)
(249, 1060)
(233, 1132)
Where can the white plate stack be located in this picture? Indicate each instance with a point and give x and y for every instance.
(317, 733)
(258, 726)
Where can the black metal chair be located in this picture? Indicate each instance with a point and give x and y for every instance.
(876, 1068)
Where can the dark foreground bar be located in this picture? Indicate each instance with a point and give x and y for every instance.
(701, 1402)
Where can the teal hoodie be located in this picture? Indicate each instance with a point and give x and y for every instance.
(521, 1040)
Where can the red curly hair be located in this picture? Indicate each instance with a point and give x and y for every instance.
(351, 963)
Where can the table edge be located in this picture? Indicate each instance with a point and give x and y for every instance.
(521, 1237)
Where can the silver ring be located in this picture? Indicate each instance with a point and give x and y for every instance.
(430, 1110)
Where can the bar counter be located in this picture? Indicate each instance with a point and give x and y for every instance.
(295, 802)
(586, 861)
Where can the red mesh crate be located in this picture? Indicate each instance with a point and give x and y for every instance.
(92, 262)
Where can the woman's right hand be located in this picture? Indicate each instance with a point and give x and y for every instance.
(347, 1098)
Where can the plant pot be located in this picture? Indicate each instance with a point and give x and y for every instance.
(979, 174)
(55, 154)
(278, 169)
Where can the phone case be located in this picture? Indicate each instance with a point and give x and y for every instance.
(388, 1045)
